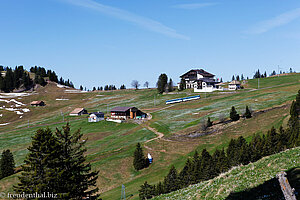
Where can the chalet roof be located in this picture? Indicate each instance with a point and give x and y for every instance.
(235, 83)
(121, 109)
(36, 102)
(77, 110)
(98, 114)
(198, 71)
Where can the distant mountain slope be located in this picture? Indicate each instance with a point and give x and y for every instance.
(241, 178)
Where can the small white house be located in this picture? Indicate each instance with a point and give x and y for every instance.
(234, 85)
(96, 117)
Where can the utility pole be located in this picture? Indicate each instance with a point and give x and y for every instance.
(258, 83)
(154, 100)
(28, 123)
(288, 192)
(123, 196)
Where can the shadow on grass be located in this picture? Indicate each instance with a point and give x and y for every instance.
(270, 190)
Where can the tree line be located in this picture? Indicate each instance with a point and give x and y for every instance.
(19, 78)
(205, 166)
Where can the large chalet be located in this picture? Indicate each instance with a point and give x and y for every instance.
(201, 81)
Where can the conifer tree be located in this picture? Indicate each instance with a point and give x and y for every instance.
(40, 171)
(162, 83)
(171, 181)
(139, 159)
(209, 123)
(77, 181)
(159, 189)
(170, 86)
(56, 164)
(234, 116)
(182, 85)
(247, 113)
(208, 169)
(233, 78)
(186, 174)
(7, 164)
(147, 191)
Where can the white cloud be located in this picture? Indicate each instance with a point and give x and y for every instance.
(144, 22)
(192, 6)
(277, 21)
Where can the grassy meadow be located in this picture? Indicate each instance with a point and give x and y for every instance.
(110, 146)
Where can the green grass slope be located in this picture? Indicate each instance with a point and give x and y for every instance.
(110, 146)
(239, 178)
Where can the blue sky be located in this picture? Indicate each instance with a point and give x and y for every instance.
(99, 42)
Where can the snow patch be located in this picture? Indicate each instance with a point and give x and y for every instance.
(4, 124)
(25, 110)
(12, 95)
(62, 86)
(62, 99)
(75, 91)
(19, 113)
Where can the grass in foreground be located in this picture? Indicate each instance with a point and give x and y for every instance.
(239, 178)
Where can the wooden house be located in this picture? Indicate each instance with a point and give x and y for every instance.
(37, 103)
(96, 117)
(124, 113)
(234, 85)
(78, 112)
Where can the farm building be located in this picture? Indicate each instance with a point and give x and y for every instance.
(78, 112)
(127, 113)
(96, 117)
(234, 85)
(37, 103)
(201, 81)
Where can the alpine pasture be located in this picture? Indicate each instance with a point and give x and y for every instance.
(110, 145)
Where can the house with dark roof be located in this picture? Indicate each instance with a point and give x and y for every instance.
(234, 85)
(96, 117)
(78, 112)
(37, 103)
(124, 113)
(200, 80)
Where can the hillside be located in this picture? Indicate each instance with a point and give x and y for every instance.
(244, 182)
(110, 145)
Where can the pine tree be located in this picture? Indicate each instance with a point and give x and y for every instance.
(234, 116)
(81, 87)
(247, 113)
(162, 83)
(76, 177)
(40, 171)
(233, 78)
(159, 189)
(7, 164)
(171, 181)
(139, 159)
(147, 191)
(170, 86)
(182, 85)
(208, 169)
(56, 163)
(186, 174)
(209, 123)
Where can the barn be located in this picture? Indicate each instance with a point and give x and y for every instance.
(124, 113)
(78, 112)
(96, 117)
(37, 103)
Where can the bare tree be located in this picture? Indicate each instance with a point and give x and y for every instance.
(146, 84)
(135, 84)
